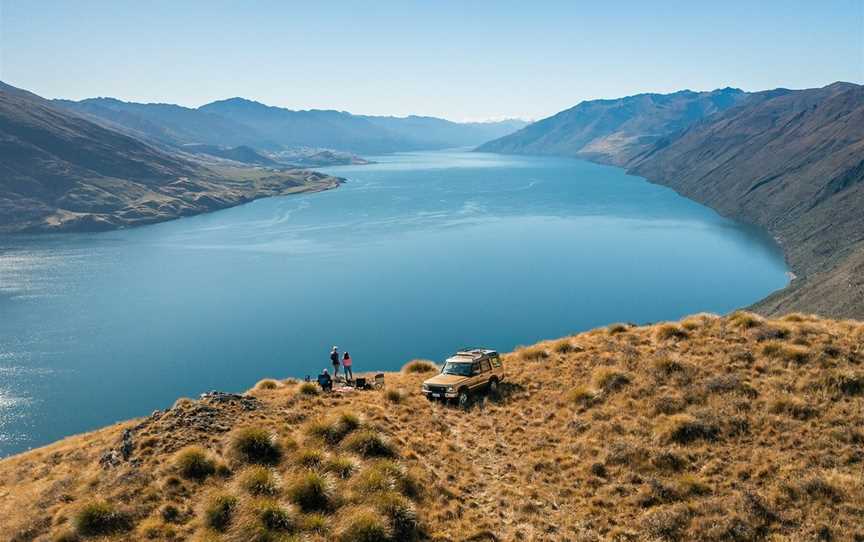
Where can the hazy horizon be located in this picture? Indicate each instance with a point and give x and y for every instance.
(479, 62)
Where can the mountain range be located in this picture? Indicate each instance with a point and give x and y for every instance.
(241, 122)
(61, 171)
(788, 161)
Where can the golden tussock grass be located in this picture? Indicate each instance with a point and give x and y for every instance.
(712, 428)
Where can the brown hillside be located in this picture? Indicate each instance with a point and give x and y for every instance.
(59, 172)
(733, 428)
(793, 163)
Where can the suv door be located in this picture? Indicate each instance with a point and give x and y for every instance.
(476, 375)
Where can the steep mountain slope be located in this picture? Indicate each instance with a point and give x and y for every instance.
(355, 133)
(711, 429)
(171, 124)
(240, 122)
(793, 163)
(614, 131)
(59, 171)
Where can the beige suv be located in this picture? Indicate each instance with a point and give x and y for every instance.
(467, 371)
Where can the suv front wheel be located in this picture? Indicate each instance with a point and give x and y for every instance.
(463, 398)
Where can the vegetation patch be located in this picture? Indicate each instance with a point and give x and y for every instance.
(256, 445)
(308, 389)
(100, 518)
(393, 396)
(667, 332)
(615, 329)
(310, 458)
(609, 379)
(260, 480)
(195, 463)
(534, 353)
(745, 320)
(419, 366)
(267, 384)
(368, 443)
(312, 491)
(333, 430)
(219, 512)
(364, 525)
(684, 429)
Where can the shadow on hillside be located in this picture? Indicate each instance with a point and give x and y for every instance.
(507, 391)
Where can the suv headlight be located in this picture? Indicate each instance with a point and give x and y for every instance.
(425, 387)
(449, 388)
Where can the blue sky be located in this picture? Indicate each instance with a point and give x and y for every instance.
(460, 60)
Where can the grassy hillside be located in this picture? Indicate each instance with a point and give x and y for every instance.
(732, 428)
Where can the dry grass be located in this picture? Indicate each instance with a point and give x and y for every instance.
(419, 366)
(713, 428)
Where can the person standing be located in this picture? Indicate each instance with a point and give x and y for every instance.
(346, 363)
(334, 360)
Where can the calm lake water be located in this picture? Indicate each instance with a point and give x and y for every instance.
(413, 257)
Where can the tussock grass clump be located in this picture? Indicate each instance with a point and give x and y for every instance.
(746, 320)
(266, 384)
(341, 467)
(665, 332)
(772, 333)
(665, 366)
(310, 458)
(256, 445)
(309, 389)
(384, 476)
(193, 462)
(533, 353)
(400, 513)
(615, 329)
(667, 523)
(846, 383)
(99, 518)
(786, 352)
(219, 511)
(260, 481)
(565, 346)
(333, 430)
(684, 429)
(312, 492)
(609, 379)
(393, 396)
(793, 407)
(368, 443)
(275, 517)
(419, 366)
(364, 525)
(315, 523)
(583, 395)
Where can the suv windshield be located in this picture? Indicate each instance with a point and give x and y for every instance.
(459, 369)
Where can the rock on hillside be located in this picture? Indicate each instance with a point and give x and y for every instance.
(712, 428)
(614, 131)
(793, 163)
(60, 171)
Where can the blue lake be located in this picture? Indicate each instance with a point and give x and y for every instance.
(414, 256)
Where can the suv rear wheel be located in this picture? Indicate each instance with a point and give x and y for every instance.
(493, 386)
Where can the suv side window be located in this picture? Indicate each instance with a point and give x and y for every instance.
(484, 365)
(496, 361)
(475, 368)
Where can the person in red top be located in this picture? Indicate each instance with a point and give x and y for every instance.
(346, 363)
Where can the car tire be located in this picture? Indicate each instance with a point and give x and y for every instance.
(493, 387)
(464, 398)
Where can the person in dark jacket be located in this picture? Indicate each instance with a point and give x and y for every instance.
(325, 381)
(334, 360)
